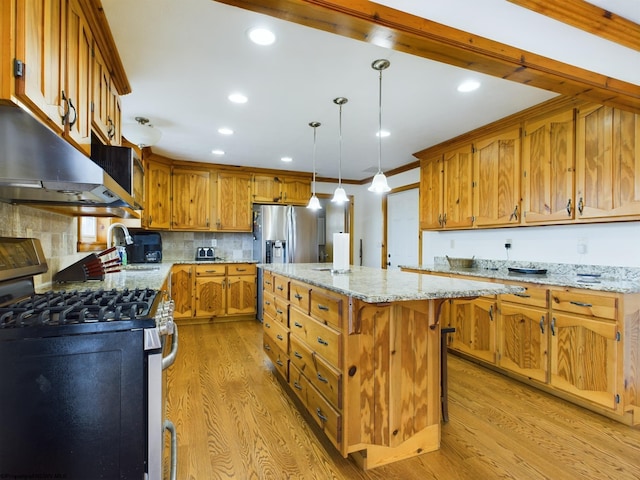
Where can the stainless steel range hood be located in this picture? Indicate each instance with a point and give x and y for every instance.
(39, 168)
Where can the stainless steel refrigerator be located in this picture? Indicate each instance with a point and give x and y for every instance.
(283, 234)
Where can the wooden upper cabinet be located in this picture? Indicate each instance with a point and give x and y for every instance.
(280, 189)
(234, 202)
(458, 188)
(78, 89)
(105, 103)
(265, 189)
(157, 212)
(295, 190)
(41, 38)
(496, 199)
(607, 163)
(548, 162)
(191, 199)
(431, 210)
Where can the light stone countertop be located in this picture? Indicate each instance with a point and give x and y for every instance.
(139, 275)
(624, 280)
(375, 285)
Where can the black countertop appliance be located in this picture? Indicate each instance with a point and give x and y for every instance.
(146, 248)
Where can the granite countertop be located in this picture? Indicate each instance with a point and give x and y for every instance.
(144, 275)
(375, 285)
(204, 262)
(590, 277)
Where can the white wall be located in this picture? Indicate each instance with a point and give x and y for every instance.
(614, 244)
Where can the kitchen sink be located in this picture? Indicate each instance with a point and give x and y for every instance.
(140, 268)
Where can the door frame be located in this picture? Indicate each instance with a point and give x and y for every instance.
(383, 258)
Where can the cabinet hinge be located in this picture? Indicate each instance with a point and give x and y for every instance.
(18, 68)
(617, 398)
(617, 336)
(473, 148)
(92, 107)
(524, 173)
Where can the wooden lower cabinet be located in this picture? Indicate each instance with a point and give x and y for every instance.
(581, 345)
(367, 374)
(475, 324)
(208, 292)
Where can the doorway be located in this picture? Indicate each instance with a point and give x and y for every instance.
(332, 219)
(401, 227)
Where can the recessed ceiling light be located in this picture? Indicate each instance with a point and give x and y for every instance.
(237, 98)
(217, 152)
(225, 131)
(262, 36)
(286, 159)
(382, 133)
(469, 86)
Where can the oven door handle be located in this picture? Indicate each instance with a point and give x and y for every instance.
(171, 357)
(168, 425)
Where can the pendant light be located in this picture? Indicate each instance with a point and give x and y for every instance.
(340, 196)
(314, 203)
(379, 183)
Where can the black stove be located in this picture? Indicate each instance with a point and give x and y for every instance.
(82, 375)
(78, 307)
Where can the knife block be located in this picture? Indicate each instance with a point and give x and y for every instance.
(89, 268)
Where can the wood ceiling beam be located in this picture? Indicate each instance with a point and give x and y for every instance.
(369, 22)
(587, 17)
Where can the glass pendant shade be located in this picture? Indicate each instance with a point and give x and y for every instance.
(379, 184)
(314, 203)
(140, 133)
(340, 196)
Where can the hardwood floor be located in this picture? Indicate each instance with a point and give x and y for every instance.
(235, 420)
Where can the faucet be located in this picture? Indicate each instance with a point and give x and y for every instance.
(127, 238)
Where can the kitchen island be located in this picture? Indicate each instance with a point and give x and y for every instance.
(361, 352)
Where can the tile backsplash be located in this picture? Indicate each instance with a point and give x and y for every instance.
(58, 235)
(181, 246)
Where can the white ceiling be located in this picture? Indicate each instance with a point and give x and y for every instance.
(183, 58)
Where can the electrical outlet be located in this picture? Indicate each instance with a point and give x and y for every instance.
(582, 246)
(452, 243)
(507, 243)
(214, 242)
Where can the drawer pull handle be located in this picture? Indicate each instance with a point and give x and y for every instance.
(320, 415)
(323, 307)
(299, 325)
(279, 337)
(322, 379)
(267, 282)
(297, 355)
(279, 362)
(267, 325)
(581, 304)
(522, 295)
(241, 269)
(542, 324)
(280, 287)
(553, 326)
(267, 302)
(322, 342)
(279, 312)
(298, 296)
(267, 348)
(297, 385)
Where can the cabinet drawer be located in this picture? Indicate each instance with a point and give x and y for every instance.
(584, 303)
(278, 333)
(269, 304)
(241, 269)
(326, 307)
(532, 296)
(267, 282)
(298, 383)
(281, 286)
(299, 295)
(277, 356)
(318, 337)
(327, 417)
(281, 311)
(322, 375)
(206, 270)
